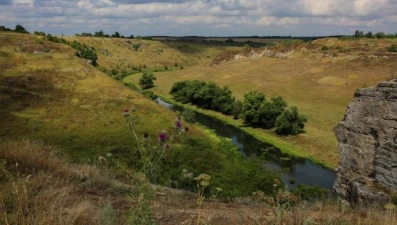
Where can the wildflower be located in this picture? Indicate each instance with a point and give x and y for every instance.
(108, 154)
(178, 124)
(126, 113)
(163, 136)
(203, 179)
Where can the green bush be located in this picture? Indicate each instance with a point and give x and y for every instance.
(147, 80)
(393, 48)
(290, 122)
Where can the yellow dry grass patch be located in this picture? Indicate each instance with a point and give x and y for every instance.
(331, 80)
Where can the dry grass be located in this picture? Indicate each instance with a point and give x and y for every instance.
(40, 187)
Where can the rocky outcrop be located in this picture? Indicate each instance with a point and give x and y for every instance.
(367, 141)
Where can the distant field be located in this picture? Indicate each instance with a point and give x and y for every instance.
(321, 83)
(224, 41)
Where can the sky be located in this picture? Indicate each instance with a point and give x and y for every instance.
(202, 17)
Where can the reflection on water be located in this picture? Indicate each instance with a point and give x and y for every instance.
(300, 170)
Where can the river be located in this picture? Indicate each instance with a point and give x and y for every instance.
(294, 170)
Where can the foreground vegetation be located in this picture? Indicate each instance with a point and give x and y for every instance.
(39, 186)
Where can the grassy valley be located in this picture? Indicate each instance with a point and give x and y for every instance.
(319, 77)
(68, 155)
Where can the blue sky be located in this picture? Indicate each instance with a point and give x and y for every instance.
(201, 17)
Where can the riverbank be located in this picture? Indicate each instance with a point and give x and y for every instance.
(281, 143)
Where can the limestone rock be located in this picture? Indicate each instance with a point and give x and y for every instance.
(367, 143)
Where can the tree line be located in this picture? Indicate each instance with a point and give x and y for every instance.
(18, 29)
(254, 109)
(369, 34)
(102, 34)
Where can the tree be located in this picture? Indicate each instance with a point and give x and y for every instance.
(99, 34)
(224, 101)
(146, 81)
(380, 35)
(270, 110)
(20, 28)
(116, 35)
(251, 105)
(206, 95)
(290, 122)
(369, 35)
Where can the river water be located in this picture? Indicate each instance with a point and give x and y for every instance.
(294, 170)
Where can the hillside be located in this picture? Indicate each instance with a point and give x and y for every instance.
(319, 77)
(117, 56)
(50, 94)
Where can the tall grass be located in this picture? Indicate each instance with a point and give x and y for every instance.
(38, 186)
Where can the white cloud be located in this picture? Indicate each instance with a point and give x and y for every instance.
(201, 17)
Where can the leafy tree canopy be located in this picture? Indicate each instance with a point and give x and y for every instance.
(290, 122)
(147, 80)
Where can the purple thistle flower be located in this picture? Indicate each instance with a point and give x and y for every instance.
(178, 124)
(163, 136)
(125, 113)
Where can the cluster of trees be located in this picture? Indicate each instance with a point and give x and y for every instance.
(205, 95)
(369, 34)
(102, 34)
(255, 109)
(18, 28)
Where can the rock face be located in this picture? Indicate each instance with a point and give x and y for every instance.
(367, 141)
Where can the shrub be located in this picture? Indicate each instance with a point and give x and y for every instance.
(146, 81)
(393, 48)
(290, 122)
